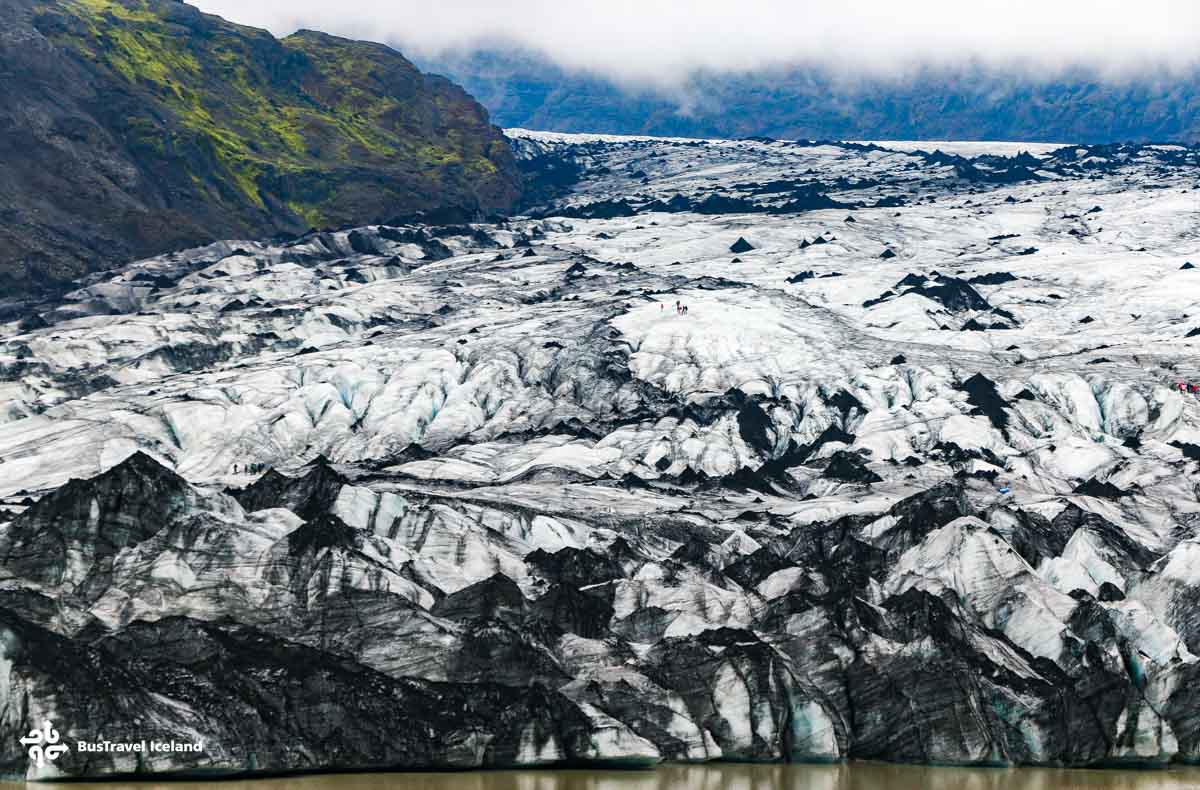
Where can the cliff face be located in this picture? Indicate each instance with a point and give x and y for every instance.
(128, 127)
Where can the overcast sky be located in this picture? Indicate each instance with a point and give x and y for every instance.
(663, 40)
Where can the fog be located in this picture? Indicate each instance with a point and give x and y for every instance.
(662, 42)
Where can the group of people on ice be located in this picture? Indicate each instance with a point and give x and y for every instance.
(1188, 387)
(680, 307)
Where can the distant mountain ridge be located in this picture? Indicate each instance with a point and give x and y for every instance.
(131, 127)
(965, 103)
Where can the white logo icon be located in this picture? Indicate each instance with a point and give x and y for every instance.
(43, 744)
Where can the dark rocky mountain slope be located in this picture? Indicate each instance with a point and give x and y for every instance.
(130, 127)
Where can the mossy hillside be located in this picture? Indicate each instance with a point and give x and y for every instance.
(270, 134)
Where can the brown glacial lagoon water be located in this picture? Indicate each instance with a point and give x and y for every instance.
(846, 776)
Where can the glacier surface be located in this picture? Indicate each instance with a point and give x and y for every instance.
(912, 478)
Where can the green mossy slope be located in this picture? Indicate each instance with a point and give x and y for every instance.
(134, 126)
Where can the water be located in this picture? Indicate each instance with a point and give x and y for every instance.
(851, 776)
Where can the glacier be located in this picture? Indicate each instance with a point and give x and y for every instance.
(911, 479)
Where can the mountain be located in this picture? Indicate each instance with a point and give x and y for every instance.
(131, 127)
(962, 103)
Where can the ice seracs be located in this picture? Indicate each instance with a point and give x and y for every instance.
(878, 492)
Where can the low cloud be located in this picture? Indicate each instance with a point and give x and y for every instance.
(662, 42)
